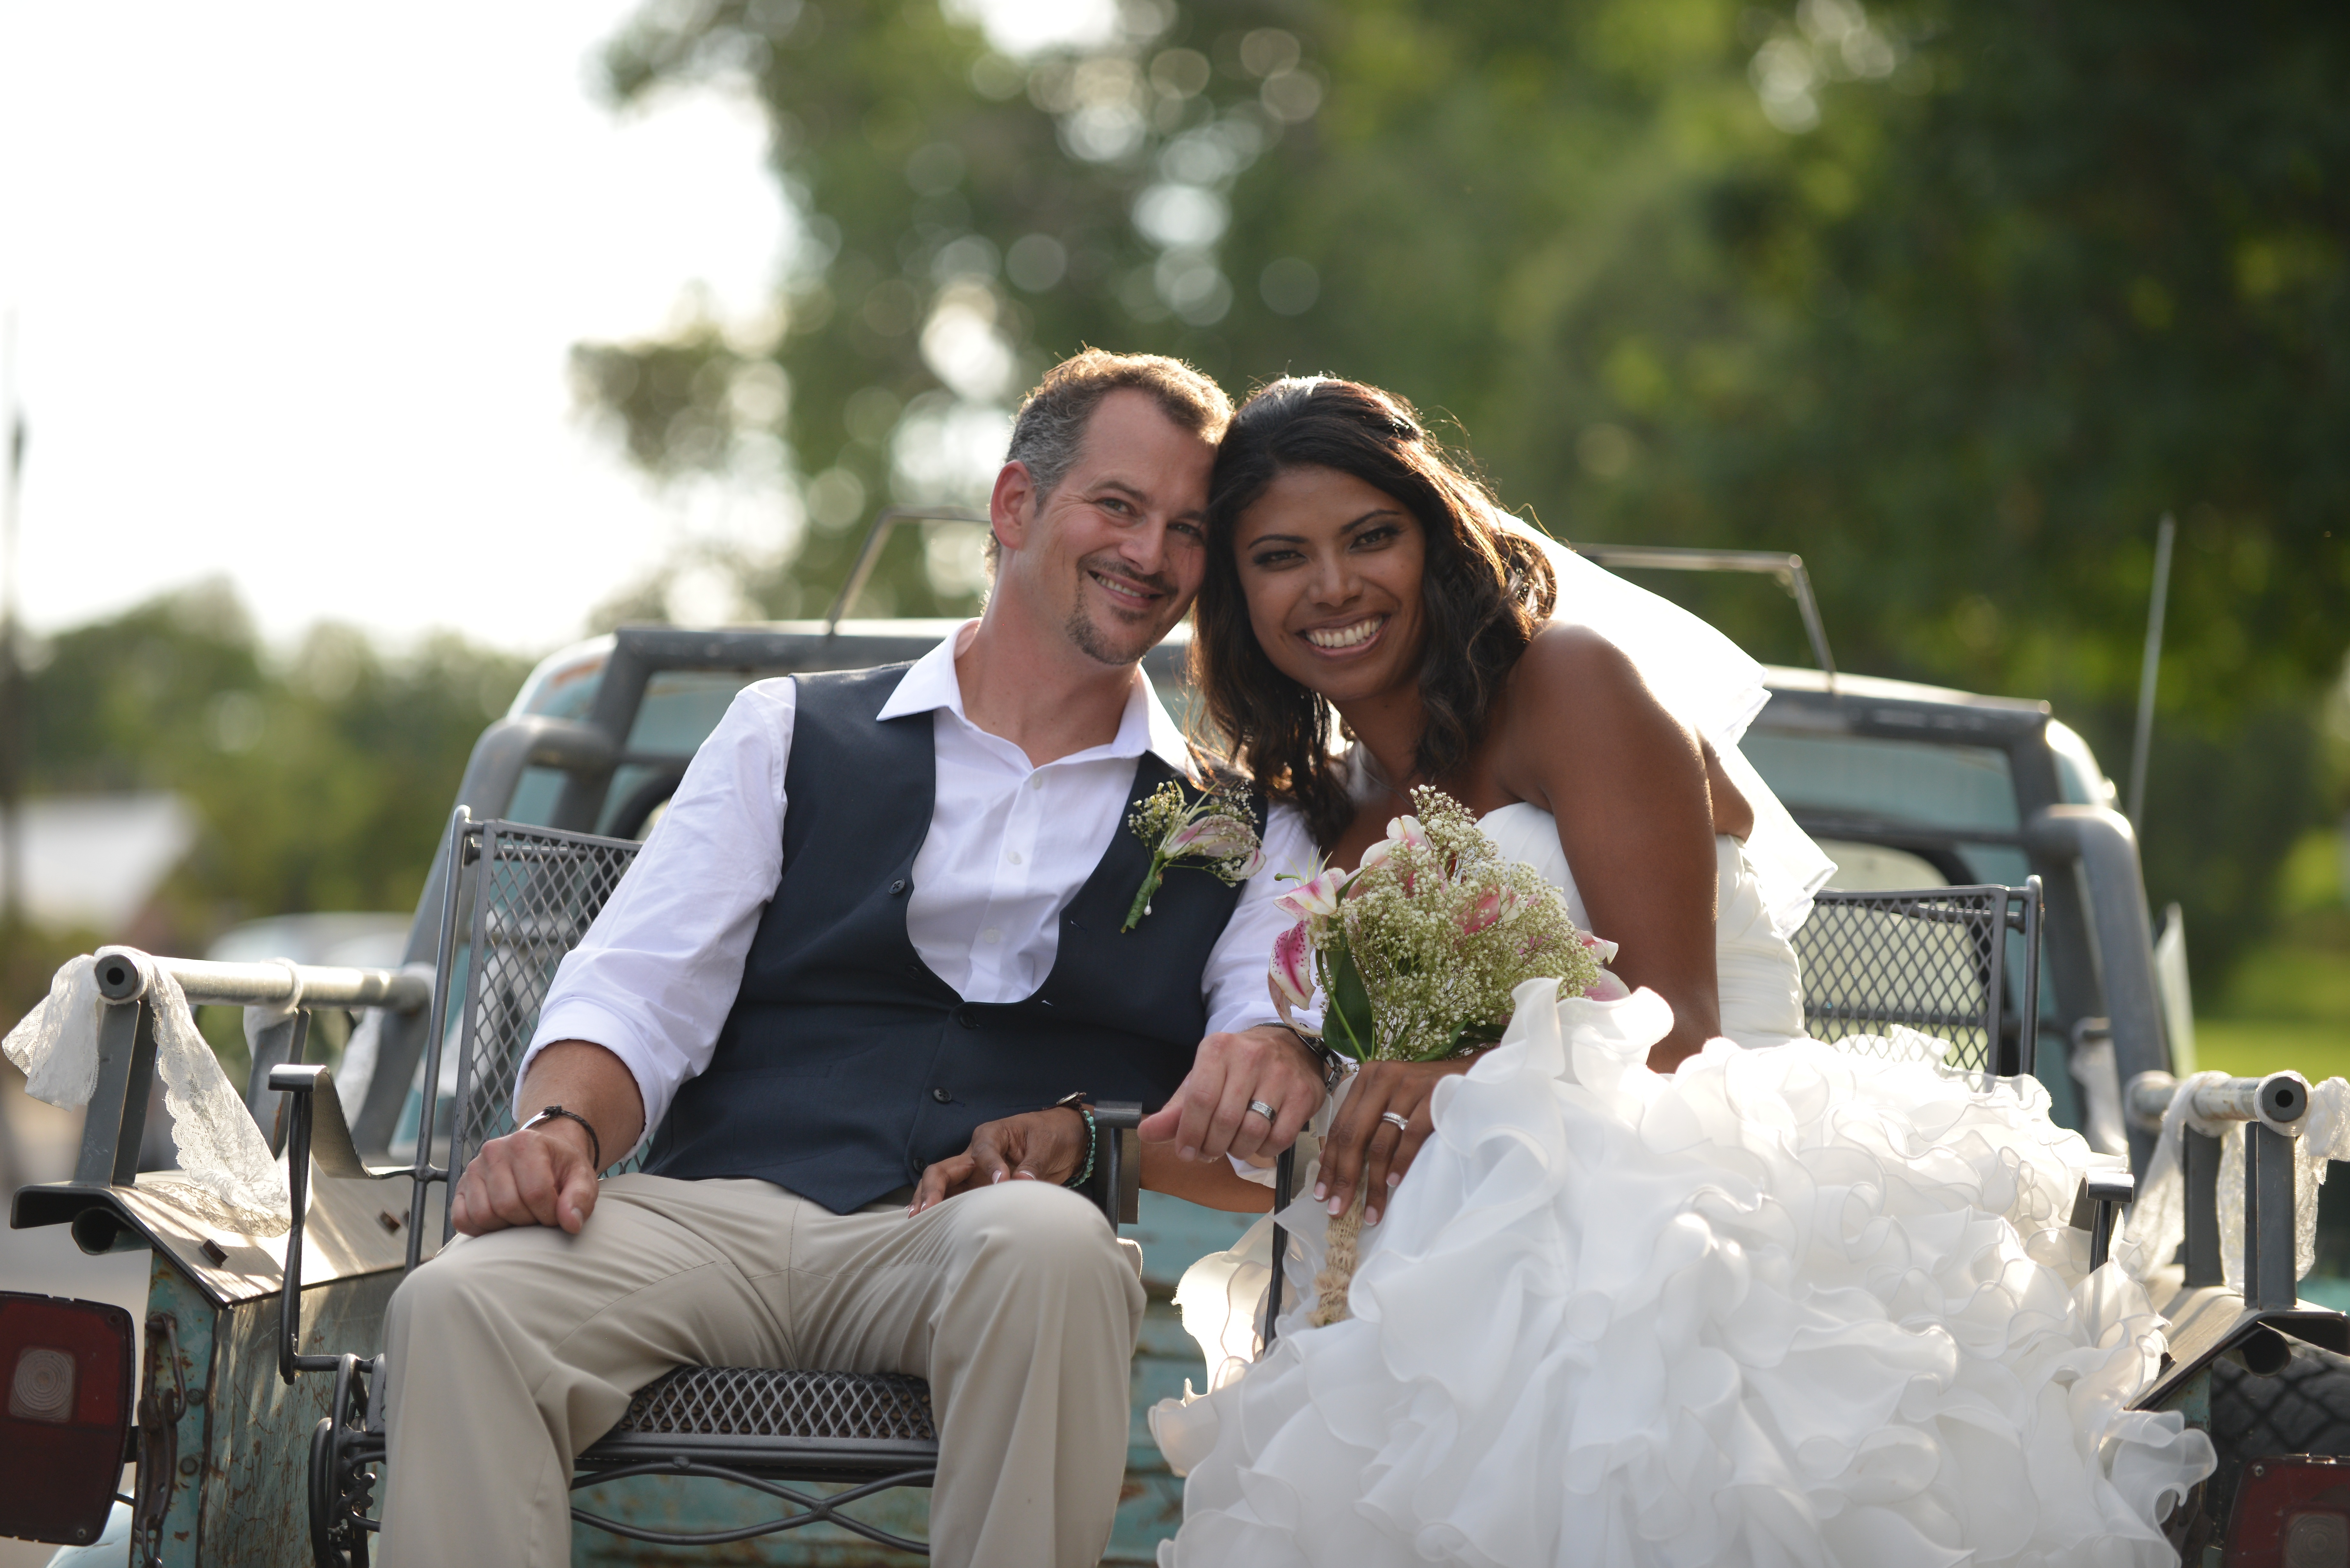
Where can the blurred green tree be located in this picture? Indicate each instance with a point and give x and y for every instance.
(1954, 300)
(321, 782)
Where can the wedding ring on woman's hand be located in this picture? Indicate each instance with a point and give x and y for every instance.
(1400, 1124)
(1267, 1112)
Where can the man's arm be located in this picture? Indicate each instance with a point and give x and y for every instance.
(1246, 1057)
(653, 979)
(1048, 1146)
(546, 1174)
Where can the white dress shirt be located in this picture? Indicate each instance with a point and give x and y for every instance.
(1009, 845)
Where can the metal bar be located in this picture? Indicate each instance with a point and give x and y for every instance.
(2028, 1034)
(117, 1117)
(2278, 1101)
(484, 871)
(423, 1175)
(1995, 990)
(1285, 1176)
(2200, 1265)
(2270, 1273)
(289, 1289)
(1788, 568)
(206, 984)
(2150, 669)
(868, 555)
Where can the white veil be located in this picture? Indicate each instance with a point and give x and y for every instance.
(1708, 682)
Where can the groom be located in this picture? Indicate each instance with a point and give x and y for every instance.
(879, 927)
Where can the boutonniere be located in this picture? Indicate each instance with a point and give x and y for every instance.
(1214, 833)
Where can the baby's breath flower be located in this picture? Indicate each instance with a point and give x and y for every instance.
(1432, 935)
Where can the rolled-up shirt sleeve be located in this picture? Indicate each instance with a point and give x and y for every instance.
(1234, 982)
(657, 974)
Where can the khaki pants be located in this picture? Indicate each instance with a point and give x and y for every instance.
(512, 1352)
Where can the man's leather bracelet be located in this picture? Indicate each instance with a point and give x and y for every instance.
(595, 1143)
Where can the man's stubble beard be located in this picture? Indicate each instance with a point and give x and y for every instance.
(1090, 641)
(1089, 637)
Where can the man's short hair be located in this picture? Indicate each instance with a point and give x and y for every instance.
(1050, 430)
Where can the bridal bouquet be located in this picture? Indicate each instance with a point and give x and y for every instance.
(1416, 953)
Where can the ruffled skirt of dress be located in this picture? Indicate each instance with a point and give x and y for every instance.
(1790, 1305)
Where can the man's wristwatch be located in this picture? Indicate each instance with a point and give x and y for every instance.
(595, 1143)
(1333, 1063)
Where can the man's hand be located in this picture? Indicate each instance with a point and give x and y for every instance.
(1209, 1116)
(1036, 1146)
(546, 1176)
(538, 1176)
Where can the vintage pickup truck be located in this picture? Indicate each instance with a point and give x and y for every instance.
(1907, 786)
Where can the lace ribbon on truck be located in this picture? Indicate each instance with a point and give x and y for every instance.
(222, 1152)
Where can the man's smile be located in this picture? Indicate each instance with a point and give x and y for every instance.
(1126, 591)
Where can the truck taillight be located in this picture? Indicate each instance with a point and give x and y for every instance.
(2292, 1511)
(66, 1368)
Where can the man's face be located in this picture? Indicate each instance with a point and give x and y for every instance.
(1115, 553)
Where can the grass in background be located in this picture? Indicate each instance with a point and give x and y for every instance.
(2288, 1005)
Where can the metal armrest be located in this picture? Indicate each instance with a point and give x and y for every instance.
(1117, 1185)
(2097, 1207)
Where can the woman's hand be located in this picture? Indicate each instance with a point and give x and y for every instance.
(1036, 1146)
(1361, 1137)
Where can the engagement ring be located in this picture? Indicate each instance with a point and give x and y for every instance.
(1261, 1108)
(1395, 1121)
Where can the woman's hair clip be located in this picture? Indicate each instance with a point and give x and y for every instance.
(1403, 429)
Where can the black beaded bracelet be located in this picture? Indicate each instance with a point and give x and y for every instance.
(1076, 1103)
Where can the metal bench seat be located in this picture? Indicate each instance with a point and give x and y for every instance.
(516, 899)
(784, 1425)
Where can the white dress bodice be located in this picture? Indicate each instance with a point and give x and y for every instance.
(1760, 983)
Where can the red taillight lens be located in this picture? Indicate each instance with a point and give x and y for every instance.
(67, 1371)
(2292, 1511)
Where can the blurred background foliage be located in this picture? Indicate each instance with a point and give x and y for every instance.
(1956, 301)
(319, 778)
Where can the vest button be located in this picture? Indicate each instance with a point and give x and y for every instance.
(898, 886)
(941, 1095)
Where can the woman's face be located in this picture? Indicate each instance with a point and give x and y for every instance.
(1331, 567)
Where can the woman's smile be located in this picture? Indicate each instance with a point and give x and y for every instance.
(1355, 637)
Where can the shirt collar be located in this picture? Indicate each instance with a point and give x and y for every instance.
(931, 684)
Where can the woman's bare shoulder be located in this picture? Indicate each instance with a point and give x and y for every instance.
(1573, 669)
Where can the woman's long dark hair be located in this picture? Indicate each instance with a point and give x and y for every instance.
(1483, 593)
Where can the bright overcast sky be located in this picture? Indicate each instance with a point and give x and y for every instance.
(294, 287)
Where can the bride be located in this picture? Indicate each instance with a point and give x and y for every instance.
(1668, 1283)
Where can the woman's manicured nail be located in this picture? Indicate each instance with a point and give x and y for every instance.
(997, 1177)
(1321, 1190)
(1187, 1152)
(1024, 1176)
(1394, 1177)
(1370, 1216)
(1336, 1205)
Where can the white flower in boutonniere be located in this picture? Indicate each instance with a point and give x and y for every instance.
(1214, 833)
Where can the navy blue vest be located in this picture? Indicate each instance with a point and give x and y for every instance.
(847, 1066)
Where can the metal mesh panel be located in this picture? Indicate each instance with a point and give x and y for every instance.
(535, 892)
(748, 1401)
(1934, 961)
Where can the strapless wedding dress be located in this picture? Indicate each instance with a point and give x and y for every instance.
(1786, 1305)
(1761, 991)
